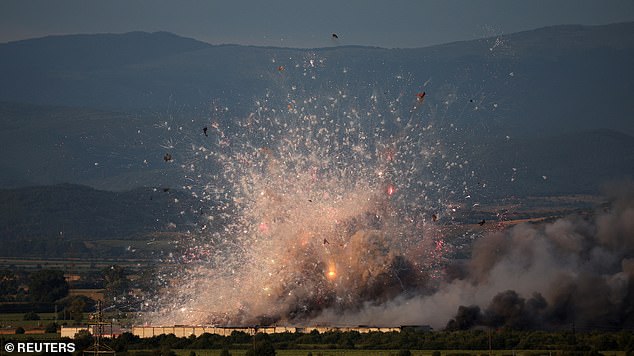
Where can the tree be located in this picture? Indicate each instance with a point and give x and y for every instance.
(8, 283)
(115, 282)
(47, 286)
(51, 328)
(262, 348)
(76, 309)
(167, 351)
(31, 316)
(82, 340)
(124, 340)
(19, 330)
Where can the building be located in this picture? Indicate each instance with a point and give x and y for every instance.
(187, 331)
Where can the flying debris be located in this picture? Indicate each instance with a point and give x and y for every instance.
(482, 222)
(205, 131)
(166, 190)
(167, 157)
(280, 68)
(420, 97)
(334, 36)
(363, 191)
(266, 151)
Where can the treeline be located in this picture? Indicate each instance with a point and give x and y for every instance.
(47, 290)
(566, 342)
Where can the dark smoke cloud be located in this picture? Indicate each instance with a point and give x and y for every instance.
(576, 270)
(507, 309)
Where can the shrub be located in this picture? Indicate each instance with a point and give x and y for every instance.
(51, 328)
(31, 316)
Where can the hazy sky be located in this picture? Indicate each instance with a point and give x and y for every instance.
(300, 23)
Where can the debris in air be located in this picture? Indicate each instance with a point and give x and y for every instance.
(280, 68)
(420, 97)
(334, 35)
(205, 131)
(167, 157)
(482, 222)
(434, 218)
(326, 242)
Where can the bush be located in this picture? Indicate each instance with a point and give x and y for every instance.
(51, 328)
(166, 351)
(404, 353)
(19, 330)
(435, 353)
(264, 348)
(31, 316)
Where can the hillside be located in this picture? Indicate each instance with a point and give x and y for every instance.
(70, 220)
(102, 110)
(531, 82)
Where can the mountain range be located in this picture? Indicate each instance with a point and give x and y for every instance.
(547, 111)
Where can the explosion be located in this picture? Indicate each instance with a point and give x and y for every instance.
(320, 206)
(332, 209)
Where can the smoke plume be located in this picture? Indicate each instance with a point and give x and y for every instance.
(576, 270)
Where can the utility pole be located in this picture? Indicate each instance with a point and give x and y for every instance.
(255, 331)
(490, 344)
(98, 324)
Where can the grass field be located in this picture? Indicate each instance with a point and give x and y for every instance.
(389, 352)
(77, 264)
(305, 352)
(13, 320)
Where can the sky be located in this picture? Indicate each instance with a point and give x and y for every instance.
(305, 24)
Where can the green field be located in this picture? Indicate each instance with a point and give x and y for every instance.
(389, 352)
(13, 320)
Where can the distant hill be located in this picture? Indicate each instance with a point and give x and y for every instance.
(93, 52)
(575, 162)
(102, 110)
(45, 145)
(71, 220)
(116, 151)
(532, 82)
